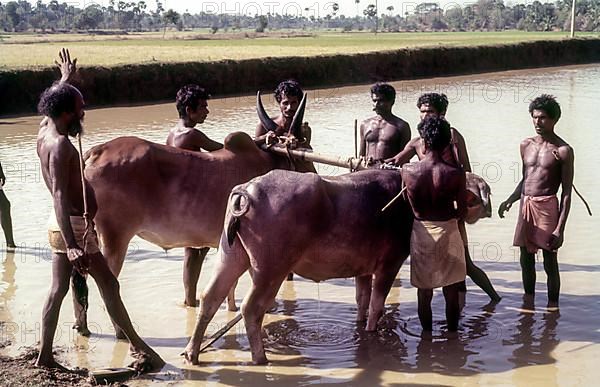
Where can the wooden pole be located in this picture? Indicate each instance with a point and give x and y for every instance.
(352, 163)
(573, 19)
(355, 138)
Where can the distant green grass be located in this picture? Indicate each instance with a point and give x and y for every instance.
(18, 51)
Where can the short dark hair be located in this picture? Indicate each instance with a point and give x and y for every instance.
(435, 131)
(386, 90)
(290, 87)
(189, 95)
(57, 99)
(547, 103)
(437, 100)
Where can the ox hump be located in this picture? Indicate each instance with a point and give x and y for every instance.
(237, 142)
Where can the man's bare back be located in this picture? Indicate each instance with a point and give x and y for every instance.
(433, 187)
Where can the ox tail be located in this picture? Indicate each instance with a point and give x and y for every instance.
(239, 204)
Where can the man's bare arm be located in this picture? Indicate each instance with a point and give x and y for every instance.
(2, 177)
(362, 147)
(567, 172)
(407, 153)
(461, 199)
(516, 195)
(406, 133)
(59, 173)
(207, 143)
(66, 66)
(463, 154)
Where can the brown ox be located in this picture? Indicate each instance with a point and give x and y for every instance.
(168, 196)
(317, 227)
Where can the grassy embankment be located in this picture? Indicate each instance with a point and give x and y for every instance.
(35, 51)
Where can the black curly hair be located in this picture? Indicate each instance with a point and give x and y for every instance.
(385, 90)
(57, 99)
(291, 88)
(547, 103)
(438, 101)
(189, 95)
(435, 131)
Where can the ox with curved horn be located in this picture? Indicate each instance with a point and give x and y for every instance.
(270, 125)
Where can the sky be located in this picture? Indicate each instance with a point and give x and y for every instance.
(317, 8)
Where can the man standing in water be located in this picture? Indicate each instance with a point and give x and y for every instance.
(192, 105)
(548, 163)
(74, 246)
(436, 105)
(288, 95)
(384, 135)
(436, 250)
(5, 218)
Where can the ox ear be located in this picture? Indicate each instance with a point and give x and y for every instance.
(296, 126)
(264, 118)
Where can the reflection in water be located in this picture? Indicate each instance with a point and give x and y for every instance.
(535, 335)
(311, 335)
(8, 288)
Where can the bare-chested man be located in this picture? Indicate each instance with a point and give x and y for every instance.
(436, 105)
(547, 165)
(288, 95)
(434, 187)
(384, 135)
(192, 105)
(5, 218)
(74, 248)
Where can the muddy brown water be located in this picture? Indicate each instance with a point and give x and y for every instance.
(311, 337)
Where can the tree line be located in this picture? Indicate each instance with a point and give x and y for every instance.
(484, 15)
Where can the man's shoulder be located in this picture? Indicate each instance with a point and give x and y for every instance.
(414, 142)
(400, 123)
(565, 150)
(527, 141)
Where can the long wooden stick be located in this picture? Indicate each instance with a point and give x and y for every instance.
(356, 138)
(352, 163)
(217, 335)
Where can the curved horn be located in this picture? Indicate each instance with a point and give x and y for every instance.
(264, 118)
(298, 117)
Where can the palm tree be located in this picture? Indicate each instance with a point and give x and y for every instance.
(357, 7)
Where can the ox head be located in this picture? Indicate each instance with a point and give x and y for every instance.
(270, 125)
(479, 204)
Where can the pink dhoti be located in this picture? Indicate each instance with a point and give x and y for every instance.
(437, 254)
(538, 218)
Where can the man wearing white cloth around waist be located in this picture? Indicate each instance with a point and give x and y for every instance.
(436, 191)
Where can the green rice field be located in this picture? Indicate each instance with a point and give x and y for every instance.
(31, 51)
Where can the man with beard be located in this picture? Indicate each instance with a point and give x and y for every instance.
(384, 135)
(288, 95)
(74, 245)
